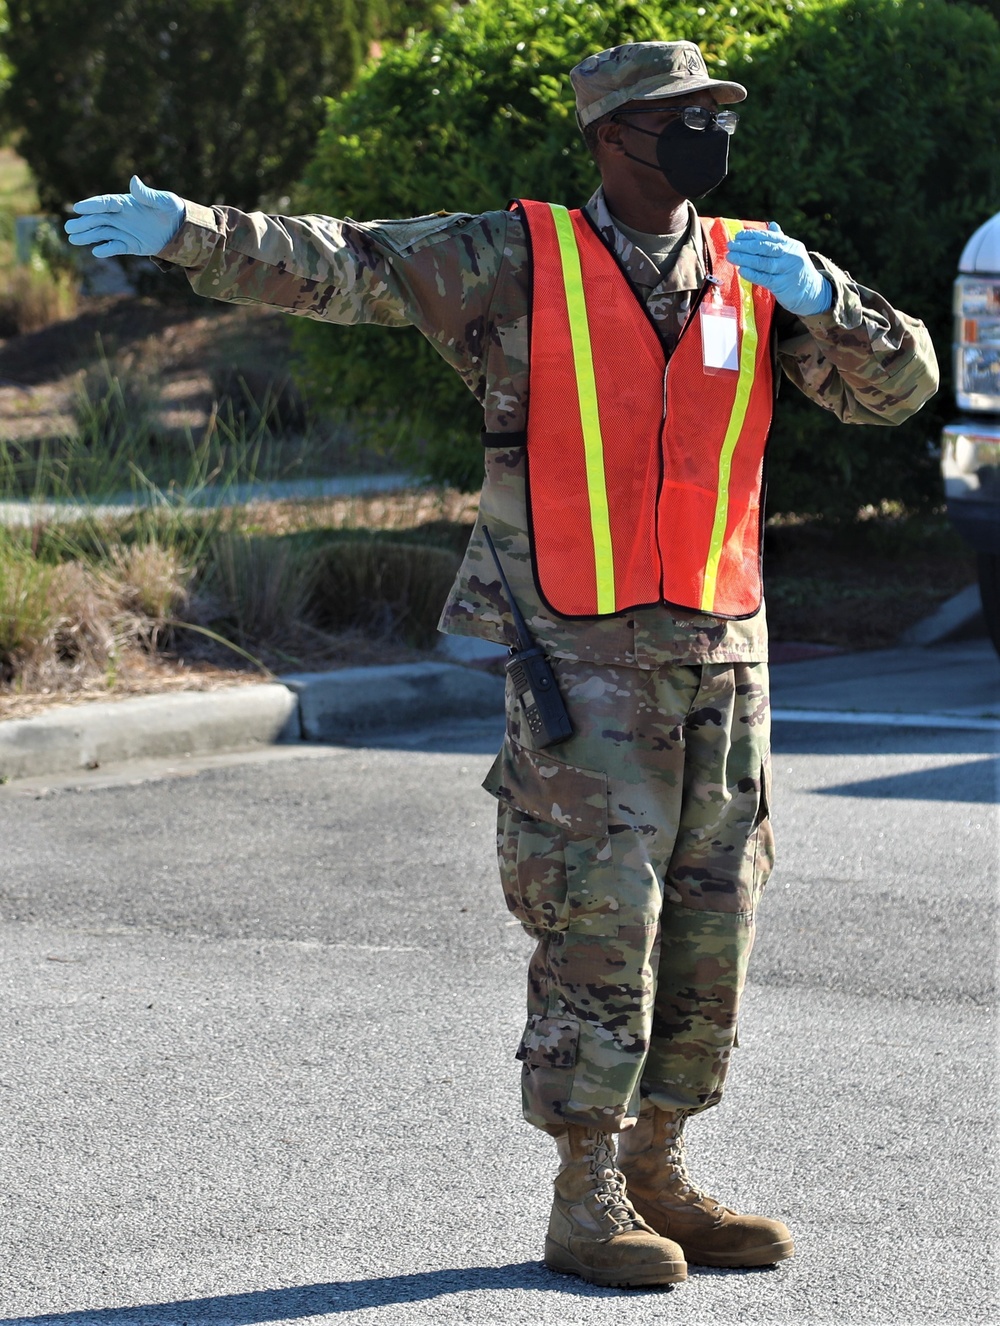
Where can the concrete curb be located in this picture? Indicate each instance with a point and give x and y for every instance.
(335, 705)
(955, 618)
(324, 706)
(316, 706)
(69, 739)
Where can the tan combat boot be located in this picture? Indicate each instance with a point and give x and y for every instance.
(594, 1231)
(652, 1158)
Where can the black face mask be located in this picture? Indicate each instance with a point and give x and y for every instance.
(693, 161)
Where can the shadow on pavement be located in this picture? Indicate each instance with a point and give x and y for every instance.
(974, 781)
(462, 736)
(798, 738)
(303, 1301)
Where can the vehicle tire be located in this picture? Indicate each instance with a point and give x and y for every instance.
(989, 592)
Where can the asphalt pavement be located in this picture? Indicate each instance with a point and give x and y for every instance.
(259, 1012)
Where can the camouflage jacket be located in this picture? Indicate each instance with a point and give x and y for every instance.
(464, 282)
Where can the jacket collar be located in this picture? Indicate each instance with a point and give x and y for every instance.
(688, 272)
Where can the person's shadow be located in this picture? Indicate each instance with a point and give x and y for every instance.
(303, 1301)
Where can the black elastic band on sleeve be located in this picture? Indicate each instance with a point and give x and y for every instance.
(510, 439)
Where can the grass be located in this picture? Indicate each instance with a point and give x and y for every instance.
(17, 188)
(304, 585)
(32, 295)
(87, 606)
(157, 376)
(17, 198)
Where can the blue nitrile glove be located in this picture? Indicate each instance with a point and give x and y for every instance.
(781, 265)
(140, 221)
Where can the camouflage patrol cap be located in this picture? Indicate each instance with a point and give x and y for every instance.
(643, 71)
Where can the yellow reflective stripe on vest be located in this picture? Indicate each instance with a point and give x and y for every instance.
(586, 386)
(747, 369)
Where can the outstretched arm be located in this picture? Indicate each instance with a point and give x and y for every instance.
(305, 265)
(437, 273)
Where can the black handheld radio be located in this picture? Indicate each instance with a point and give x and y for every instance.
(530, 671)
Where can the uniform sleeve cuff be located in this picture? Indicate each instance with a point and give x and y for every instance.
(196, 240)
(845, 312)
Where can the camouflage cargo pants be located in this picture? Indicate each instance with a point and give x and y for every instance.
(635, 853)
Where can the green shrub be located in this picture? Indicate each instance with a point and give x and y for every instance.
(869, 133)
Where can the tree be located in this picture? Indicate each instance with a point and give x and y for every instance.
(869, 133)
(215, 99)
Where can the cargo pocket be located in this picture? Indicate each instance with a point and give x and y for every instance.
(549, 1043)
(552, 843)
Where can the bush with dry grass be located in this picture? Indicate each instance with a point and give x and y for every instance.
(26, 609)
(390, 589)
(89, 605)
(56, 622)
(150, 586)
(64, 621)
(255, 586)
(33, 297)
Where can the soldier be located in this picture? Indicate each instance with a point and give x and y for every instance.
(634, 852)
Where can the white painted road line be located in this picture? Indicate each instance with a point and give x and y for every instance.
(848, 717)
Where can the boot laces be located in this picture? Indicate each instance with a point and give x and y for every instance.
(675, 1159)
(609, 1186)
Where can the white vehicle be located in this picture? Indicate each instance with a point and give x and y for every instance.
(970, 447)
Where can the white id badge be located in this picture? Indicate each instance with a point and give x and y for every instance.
(718, 337)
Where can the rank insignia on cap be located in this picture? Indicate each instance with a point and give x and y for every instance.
(644, 71)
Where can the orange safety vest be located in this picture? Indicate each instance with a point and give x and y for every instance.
(645, 482)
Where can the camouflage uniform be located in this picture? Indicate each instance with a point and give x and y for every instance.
(636, 851)
(636, 858)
